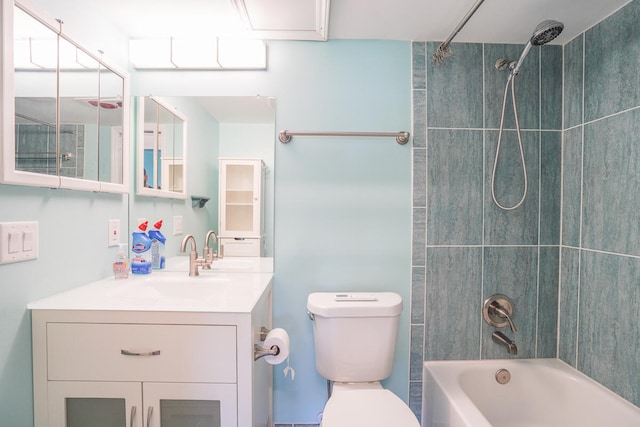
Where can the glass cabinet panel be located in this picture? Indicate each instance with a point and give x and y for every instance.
(95, 412)
(94, 404)
(190, 413)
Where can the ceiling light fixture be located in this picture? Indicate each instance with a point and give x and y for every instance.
(184, 54)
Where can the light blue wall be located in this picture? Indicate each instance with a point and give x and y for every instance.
(342, 206)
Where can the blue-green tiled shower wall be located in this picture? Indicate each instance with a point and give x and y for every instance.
(600, 268)
(465, 248)
(570, 256)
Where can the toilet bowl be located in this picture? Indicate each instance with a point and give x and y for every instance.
(355, 339)
(366, 405)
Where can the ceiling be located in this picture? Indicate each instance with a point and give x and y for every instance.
(496, 21)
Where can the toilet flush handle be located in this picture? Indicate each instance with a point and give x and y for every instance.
(311, 315)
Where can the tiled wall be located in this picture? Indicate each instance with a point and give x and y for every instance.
(600, 267)
(464, 247)
(36, 152)
(574, 244)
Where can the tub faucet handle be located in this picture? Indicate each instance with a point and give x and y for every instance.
(498, 311)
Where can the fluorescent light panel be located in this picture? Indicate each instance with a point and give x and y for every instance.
(216, 54)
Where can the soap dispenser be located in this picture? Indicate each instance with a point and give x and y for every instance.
(121, 263)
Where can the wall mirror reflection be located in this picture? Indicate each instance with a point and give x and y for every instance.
(239, 127)
(162, 149)
(68, 110)
(247, 131)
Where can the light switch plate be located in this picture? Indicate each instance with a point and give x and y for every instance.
(18, 241)
(177, 225)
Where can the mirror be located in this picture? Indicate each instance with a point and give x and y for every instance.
(68, 110)
(162, 147)
(221, 126)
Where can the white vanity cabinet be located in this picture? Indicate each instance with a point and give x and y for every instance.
(240, 206)
(120, 362)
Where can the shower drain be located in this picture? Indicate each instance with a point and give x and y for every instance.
(503, 376)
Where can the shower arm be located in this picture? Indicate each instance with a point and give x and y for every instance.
(443, 50)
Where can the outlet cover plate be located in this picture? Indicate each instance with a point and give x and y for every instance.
(114, 232)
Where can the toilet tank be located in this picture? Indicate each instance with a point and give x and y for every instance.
(354, 334)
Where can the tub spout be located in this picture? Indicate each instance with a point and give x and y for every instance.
(500, 338)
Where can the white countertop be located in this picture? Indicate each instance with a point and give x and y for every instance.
(212, 291)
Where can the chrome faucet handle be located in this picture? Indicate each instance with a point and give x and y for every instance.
(498, 311)
(193, 254)
(208, 253)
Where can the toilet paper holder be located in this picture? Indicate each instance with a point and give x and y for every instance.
(259, 351)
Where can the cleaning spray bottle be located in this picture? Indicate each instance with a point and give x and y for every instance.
(157, 246)
(121, 263)
(141, 251)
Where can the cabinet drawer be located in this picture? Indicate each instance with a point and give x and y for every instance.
(240, 247)
(132, 352)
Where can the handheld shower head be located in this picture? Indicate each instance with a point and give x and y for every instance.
(546, 31)
(543, 34)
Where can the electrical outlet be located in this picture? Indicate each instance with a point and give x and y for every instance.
(177, 225)
(18, 241)
(114, 232)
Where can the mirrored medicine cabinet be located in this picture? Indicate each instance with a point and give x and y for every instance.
(65, 111)
(161, 149)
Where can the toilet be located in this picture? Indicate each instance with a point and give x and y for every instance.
(355, 338)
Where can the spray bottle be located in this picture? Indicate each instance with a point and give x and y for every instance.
(141, 251)
(157, 246)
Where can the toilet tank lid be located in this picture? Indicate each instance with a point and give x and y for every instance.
(354, 304)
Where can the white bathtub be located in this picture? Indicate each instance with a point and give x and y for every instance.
(540, 393)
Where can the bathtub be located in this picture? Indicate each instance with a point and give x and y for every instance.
(540, 393)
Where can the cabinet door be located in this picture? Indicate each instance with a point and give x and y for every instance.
(95, 404)
(240, 207)
(190, 405)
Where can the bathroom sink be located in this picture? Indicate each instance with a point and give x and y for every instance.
(213, 291)
(171, 286)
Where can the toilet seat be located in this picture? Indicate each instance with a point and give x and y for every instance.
(353, 405)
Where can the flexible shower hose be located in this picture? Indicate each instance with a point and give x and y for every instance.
(510, 81)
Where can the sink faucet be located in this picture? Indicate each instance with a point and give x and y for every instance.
(194, 261)
(208, 253)
(500, 338)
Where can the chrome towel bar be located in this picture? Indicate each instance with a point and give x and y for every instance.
(401, 137)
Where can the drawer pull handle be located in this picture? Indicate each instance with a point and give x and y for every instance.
(132, 416)
(132, 353)
(149, 413)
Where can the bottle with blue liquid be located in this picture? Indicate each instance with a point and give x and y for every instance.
(157, 246)
(141, 250)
